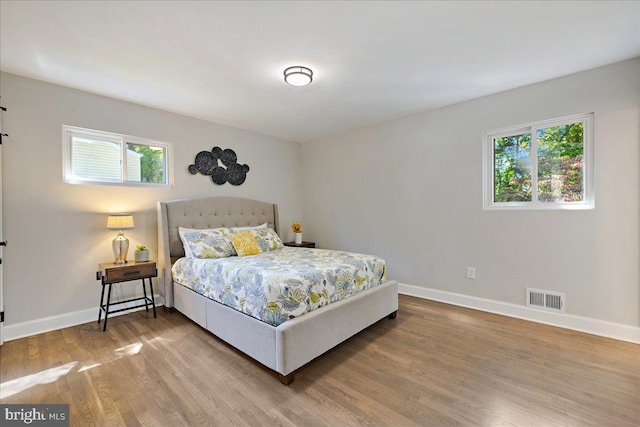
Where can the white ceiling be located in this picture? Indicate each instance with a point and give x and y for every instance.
(372, 61)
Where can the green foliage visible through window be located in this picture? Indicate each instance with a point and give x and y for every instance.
(152, 162)
(560, 166)
(540, 164)
(512, 157)
(560, 163)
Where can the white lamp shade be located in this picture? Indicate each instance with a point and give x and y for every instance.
(120, 222)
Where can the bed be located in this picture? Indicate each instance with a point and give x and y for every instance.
(291, 344)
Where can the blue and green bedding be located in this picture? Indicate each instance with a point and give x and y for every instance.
(279, 285)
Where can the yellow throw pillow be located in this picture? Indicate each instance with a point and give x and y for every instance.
(245, 243)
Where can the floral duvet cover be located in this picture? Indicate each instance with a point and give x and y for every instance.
(282, 284)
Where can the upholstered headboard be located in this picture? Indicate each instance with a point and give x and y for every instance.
(209, 212)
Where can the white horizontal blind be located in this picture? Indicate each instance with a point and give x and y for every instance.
(93, 159)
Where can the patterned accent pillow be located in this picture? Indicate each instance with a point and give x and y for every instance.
(211, 243)
(267, 239)
(245, 243)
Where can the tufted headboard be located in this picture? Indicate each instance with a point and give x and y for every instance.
(208, 212)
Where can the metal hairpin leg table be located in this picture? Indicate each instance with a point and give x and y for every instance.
(111, 273)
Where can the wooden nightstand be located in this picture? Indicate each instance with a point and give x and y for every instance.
(301, 245)
(111, 273)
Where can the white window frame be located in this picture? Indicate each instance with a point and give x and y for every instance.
(68, 132)
(488, 172)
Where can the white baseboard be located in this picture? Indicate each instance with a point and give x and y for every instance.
(568, 321)
(52, 323)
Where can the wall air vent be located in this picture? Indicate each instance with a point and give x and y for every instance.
(546, 300)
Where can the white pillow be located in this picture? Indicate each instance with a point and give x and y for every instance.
(257, 227)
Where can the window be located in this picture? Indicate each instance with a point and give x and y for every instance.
(96, 157)
(542, 165)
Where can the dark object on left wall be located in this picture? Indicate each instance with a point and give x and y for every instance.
(207, 164)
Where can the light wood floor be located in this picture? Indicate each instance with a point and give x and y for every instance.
(434, 365)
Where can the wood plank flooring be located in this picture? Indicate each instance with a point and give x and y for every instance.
(435, 364)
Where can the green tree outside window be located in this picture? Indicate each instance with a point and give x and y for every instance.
(560, 166)
(152, 162)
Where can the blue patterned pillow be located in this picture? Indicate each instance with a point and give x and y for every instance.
(210, 243)
(267, 239)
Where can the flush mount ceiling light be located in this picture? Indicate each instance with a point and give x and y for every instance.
(298, 76)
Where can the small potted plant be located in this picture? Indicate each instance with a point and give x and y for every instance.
(141, 254)
(296, 227)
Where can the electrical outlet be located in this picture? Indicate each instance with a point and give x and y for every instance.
(471, 273)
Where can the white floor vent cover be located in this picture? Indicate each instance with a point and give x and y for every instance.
(545, 300)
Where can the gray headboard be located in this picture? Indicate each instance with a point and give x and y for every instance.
(208, 212)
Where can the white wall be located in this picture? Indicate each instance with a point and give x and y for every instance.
(410, 190)
(57, 232)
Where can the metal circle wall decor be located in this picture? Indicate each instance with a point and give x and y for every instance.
(219, 175)
(228, 157)
(206, 163)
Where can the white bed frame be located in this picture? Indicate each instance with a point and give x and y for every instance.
(284, 348)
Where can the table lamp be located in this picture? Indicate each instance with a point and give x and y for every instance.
(120, 244)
